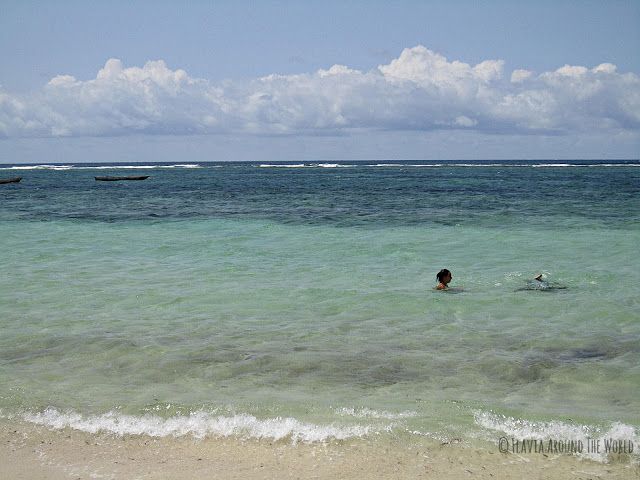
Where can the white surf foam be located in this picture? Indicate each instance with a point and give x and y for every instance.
(335, 165)
(40, 167)
(540, 165)
(304, 165)
(100, 167)
(614, 165)
(516, 165)
(280, 165)
(583, 165)
(139, 167)
(378, 414)
(521, 429)
(198, 424)
(385, 165)
(323, 165)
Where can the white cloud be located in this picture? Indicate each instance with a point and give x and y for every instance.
(465, 121)
(571, 71)
(419, 90)
(421, 65)
(605, 68)
(518, 76)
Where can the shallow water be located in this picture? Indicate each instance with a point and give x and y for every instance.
(222, 296)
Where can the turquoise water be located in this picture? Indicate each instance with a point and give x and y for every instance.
(299, 301)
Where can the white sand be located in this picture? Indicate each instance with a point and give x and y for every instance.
(32, 452)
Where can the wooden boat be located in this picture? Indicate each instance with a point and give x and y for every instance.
(116, 179)
(10, 180)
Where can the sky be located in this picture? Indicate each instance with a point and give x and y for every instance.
(84, 81)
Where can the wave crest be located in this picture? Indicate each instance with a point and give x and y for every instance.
(198, 424)
(522, 429)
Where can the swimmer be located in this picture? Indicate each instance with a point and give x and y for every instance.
(444, 277)
(539, 283)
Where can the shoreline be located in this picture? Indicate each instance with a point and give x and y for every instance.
(34, 452)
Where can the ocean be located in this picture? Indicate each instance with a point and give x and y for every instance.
(296, 300)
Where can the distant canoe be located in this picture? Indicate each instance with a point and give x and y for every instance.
(10, 180)
(116, 179)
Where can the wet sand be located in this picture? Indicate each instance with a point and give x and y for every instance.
(33, 452)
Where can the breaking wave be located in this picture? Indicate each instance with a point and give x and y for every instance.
(199, 424)
(521, 429)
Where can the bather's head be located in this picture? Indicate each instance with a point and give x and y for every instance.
(444, 276)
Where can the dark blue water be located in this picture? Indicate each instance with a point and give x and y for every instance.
(494, 194)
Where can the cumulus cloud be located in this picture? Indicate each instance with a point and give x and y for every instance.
(419, 90)
(520, 75)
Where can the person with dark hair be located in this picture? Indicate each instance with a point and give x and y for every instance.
(444, 277)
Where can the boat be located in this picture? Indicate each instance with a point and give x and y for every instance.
(10, 180)
(116, 179)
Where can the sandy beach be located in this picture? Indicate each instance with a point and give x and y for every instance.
(34, 452)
